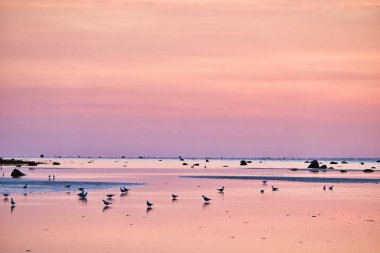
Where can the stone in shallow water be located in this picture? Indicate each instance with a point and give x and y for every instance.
(314, 164)
(17, 173)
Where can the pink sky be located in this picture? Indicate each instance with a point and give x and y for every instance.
(194, 78)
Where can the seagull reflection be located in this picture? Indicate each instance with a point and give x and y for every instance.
(83, 200)
(105, 208)
(12, 208)
(205, 205)
(148, 209)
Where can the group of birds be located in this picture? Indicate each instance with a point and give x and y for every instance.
(83, 194)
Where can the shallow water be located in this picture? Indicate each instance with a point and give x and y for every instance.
(300, 217)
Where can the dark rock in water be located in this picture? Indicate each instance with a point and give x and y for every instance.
(17, 173)
(32, 164)
(307, 162)
(196, 164)
(314, 171)
(243, 163)
(42, 156)
(333, 162)
(323, 167)
(123, 157)
(344, 162)
(368, 170)
(343, 171)
(207, 161)
(378, 161)
(361, 163)
(225, 166)
(56, 163)
(181, 159)
(249, 161)
(184, 164)
(294, 169)
(313, 165)
(331, 168)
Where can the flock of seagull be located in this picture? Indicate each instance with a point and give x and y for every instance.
(83, 194)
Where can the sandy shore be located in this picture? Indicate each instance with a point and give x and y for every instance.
(300, 217)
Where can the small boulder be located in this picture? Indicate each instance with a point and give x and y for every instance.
(343, 171)
(368, 170)
(313, 165)
(243, 163)
(17, 173)
(294, 169)
(333, 162)
(323, 166)
(344, 162)
(184, 164)
(56, 163)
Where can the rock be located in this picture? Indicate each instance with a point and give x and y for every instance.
(42, 156)
(344, 162)
(378, 161)
(331, 168)
(361, 163)
(368, 170)
(207, 161)
(323, 167)
(333, 162)
(294, 169)
(249, 161)
(17, 173)
(184, 164)
(313, 165)
(196, 164)
(314, 171)
(32, 163)
(343, 171)
(56, 163)
(243, 163)
(307, 162)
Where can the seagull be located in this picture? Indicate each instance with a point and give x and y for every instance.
(25, 186)
(324, 187)
(264, 181)
(261, 191)
(331, 188)
(221, 190)
(82, 195)
(68, 186)
(125, 189)
(205, 198)
(106, 203)
(274, 188)
(149, 204)
(110, 196)
(6, 195)
(81, 189)
(13, 203)
(174, 197)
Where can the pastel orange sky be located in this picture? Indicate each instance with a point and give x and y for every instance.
(194, 78)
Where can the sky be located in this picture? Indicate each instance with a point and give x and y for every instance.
(215, 78)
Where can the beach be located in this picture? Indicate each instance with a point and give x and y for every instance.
(299, 217)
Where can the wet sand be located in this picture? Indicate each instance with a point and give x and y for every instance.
(300, 217)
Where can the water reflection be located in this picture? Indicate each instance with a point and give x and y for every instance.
(12, 208)
(106, 208)
(149, 209)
